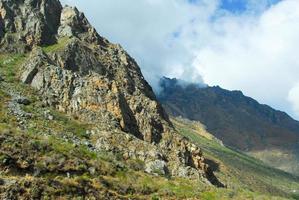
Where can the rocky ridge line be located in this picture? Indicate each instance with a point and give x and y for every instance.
(86, 76)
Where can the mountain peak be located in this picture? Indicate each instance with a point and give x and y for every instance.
(39, 23)
(239, 121)
(80, 73)
(174, 82)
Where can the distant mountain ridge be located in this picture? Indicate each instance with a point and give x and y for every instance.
(239, 121)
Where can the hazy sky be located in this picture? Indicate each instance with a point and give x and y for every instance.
(248, 45)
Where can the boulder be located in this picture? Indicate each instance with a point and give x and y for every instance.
(157, 167)
(22, 100)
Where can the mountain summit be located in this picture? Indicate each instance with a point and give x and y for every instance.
(239, 121)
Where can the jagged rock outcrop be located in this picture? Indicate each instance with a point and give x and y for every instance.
(97, 82)
(26, 23)
(74, 23)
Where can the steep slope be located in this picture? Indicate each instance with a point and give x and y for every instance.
(239, 121)
(86, 64)
(236, 169)
(75, 71)
(54, 159)
(46, 154)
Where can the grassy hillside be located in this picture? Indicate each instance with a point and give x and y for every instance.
(45, 154)
(237, 169)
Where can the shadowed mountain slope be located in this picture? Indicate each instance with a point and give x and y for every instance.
(239, 121)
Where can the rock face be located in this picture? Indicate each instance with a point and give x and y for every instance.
(88, 76)
(25, 23)
(84, 75)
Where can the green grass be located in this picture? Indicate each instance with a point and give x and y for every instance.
(60, 45)
(10, 64)
(208, 196)
(240, 170)
(69, 124)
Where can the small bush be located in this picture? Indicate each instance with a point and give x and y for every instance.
(136, 164)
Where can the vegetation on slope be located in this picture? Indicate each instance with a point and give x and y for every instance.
(237, 169)
(49, 157)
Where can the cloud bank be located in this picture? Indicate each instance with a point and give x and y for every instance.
(251, 46)
(255, 53)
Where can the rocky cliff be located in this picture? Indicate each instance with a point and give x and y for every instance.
(78, 72)
(28, 23)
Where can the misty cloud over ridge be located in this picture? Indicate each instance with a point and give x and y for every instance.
(251, 47)
(151, 31)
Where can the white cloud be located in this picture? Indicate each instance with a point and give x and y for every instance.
(145, 28)
(293, 97)
(255, 51)
(257, 54)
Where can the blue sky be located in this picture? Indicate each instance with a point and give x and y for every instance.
(239, 6)
(234, 5)
(247, 45)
